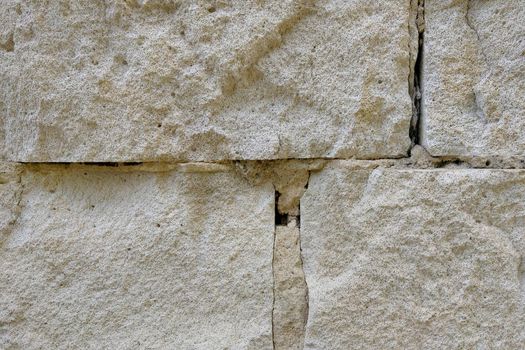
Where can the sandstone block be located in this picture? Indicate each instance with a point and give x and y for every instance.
(414, 259)
(473, 78)
(106, 259)
(204, 81)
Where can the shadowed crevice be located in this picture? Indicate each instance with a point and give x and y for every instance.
(416, 85)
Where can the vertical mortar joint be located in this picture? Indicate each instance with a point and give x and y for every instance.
(417, 76)
(290, 303)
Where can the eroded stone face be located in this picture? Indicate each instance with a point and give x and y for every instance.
(200, 80)
(114, 259)
(473, 86)
(414, 259)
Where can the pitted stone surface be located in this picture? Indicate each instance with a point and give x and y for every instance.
(112, 259)
(473, 78)
(414, 259)
(206, 81)
(264, 174)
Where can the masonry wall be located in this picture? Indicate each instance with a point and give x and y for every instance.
(262, 174)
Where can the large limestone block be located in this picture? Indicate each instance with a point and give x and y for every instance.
(204, 80)
(415, 259)
(109, 260)
(474, 77)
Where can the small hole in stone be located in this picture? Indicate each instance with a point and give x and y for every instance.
(158, 225)
(281, 219)
(159, 125)
(487, 163)
(212, 9)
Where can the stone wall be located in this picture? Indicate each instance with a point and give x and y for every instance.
(262, 174)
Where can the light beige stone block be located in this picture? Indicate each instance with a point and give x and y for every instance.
(414, 259)
(199, 80)
(114, 259)
(473, 78)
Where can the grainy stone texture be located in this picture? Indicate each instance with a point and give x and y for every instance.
(10, 191)
(119, 259)
(290, 291)
(473, 78)
(200, 80)
(414, 259)
(206, 120)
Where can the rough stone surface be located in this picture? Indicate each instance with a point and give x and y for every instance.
(473, 78)
(10, 191)
(262, 174)
(122, 259)
(414, 259)
(204, 80)
(290, 291)
(289, 178)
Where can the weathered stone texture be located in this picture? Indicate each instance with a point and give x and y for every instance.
(116, 259)
(264, 174)
(200, 80)
(414, 259)
(10, 191)
(290, 290)
(473, 78)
